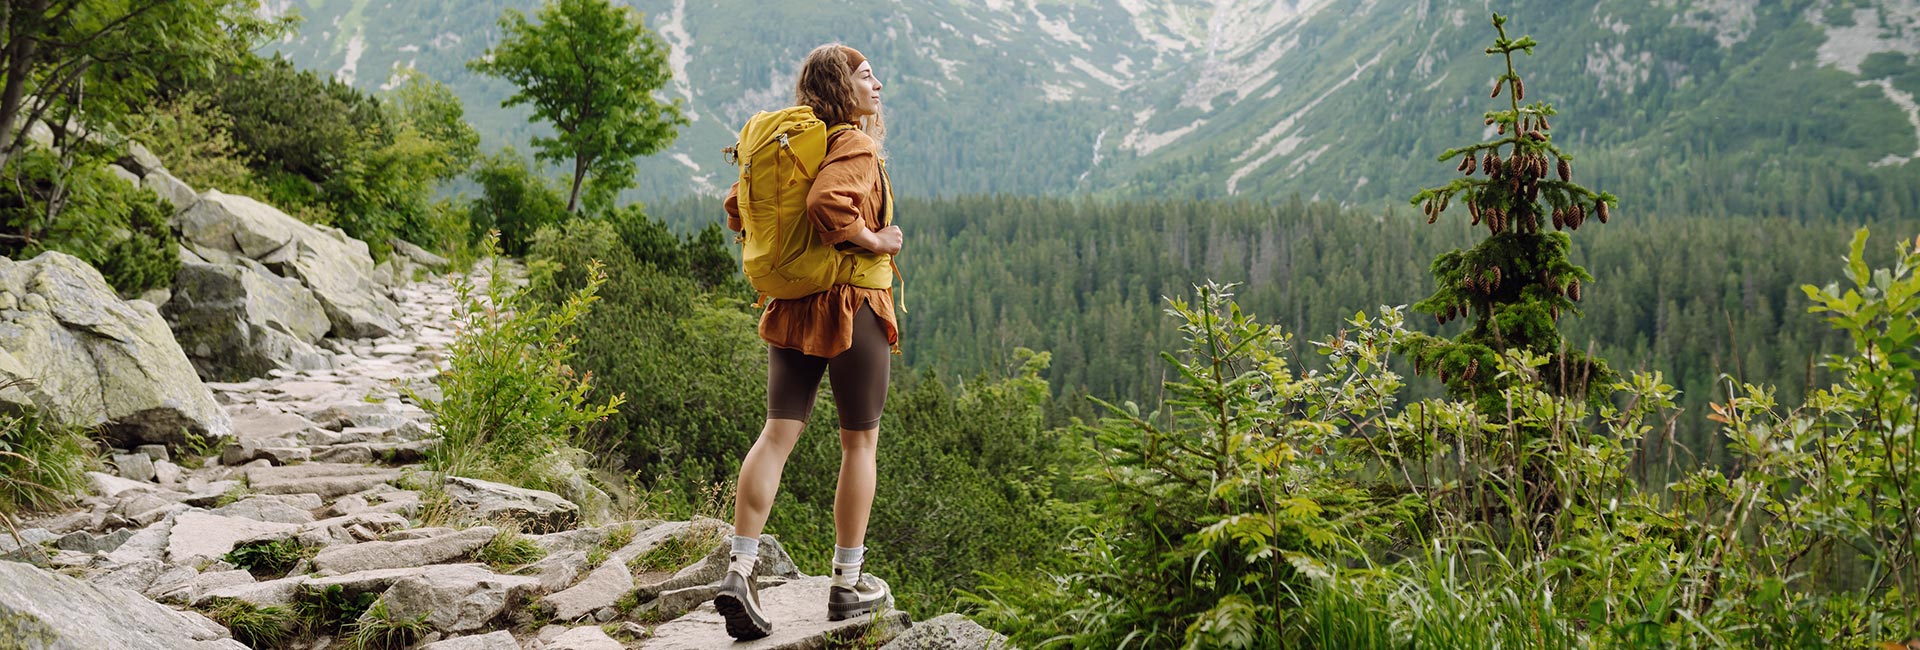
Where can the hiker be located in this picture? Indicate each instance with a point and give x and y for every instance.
(845, 328)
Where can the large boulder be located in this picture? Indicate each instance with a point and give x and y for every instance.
(337, 268)
(176, 192)
(48, 611)
(949, 632)
(239, 321)
(458, 597)
(95, 359)
(534, 510)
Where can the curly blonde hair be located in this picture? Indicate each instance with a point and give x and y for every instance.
(827, 84)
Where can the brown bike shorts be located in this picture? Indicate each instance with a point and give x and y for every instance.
(859, 377)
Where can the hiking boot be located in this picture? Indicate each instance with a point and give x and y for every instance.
(739, 602)
(855, 593)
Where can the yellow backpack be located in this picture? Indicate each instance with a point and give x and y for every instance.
(779, 154)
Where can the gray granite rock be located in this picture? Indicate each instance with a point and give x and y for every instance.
(43, 610)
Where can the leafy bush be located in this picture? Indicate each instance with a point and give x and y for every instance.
(90, 213)
(194, 137)
(42, 463)
(515, 200)
(510, 401)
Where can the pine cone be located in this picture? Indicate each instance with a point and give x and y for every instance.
(1573, 291)
(1544, 126)
(1559, 219)
(1556, 312)
(1492, 163)
(1566, 170)
(1519, 89)
(1501, 130)
(1463, 164)
(1496, 87)
(1601, 208)
(1473, 208)
(1472, 164)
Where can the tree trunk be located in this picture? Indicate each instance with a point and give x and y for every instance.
(579, 177)
(22, 51)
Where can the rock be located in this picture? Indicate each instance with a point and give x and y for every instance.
(39, 133)
(673, 604)
(457, 597)
(124, 174)
(133, 576)
(534, 510)
(267, 422)
(386, 453)
(241, 451)
(369, 556)
(585, 638)
(149, 543)
(97, 360)
(362, 414)
(337, 268)
(501, 640)
(174, 191)
(948, 632)
(324, 479)
(140, 160)
(110, 486)
(799, 623)
(167, 473)
(238, 321)
(268, 508)
(47, 611)
(199, 536)
(134, 467)
(602, 588)
(417, 254)
(155, 452)
(280, 592)
(207, 581)
(86, 542)
(557, 571)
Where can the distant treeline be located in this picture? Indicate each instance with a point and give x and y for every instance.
(1694, 298)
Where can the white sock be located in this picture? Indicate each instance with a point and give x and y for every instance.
(746, 553)
(846, 565)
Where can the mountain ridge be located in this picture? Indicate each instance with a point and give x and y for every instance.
(1243, 98)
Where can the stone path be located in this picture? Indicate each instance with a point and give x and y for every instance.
(326, 460)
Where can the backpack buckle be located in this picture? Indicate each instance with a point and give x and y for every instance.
(731, 155)
(783, 142)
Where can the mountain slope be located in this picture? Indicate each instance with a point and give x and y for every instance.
(1803, 107)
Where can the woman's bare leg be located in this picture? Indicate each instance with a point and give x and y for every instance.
(853, 499)
(760, 475)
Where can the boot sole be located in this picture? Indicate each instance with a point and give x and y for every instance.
(740, 622)
(841, 612)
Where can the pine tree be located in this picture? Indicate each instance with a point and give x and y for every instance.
(1517, 282)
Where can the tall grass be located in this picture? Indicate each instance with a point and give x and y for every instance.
(42, 462)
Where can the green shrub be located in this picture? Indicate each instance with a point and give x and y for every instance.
(194, 137)
(511, 402)
(42, 463)
(514, 200)
(119, 229)
(331, 610)
(269, 560)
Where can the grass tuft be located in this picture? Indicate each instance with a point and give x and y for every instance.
(509, 549)
(268, 560)
(256, 626)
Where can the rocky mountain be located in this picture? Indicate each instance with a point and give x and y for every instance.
(1687, 105)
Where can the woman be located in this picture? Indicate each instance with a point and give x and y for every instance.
(845, 332)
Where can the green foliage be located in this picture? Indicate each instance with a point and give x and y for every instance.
(332, 610)
(194, 137)
(75, 205)
(511, 405)
(271, 559)
(509, 549)
(1225, 502)
(1516, 282)
(514, 201)
(590, 68)
(258, 627)
(42, 462)
(380, 629)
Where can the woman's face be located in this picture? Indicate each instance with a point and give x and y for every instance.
(870, 101)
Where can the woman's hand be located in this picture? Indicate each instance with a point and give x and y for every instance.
(885, 242)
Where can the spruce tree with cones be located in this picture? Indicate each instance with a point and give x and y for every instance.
(1517, 283)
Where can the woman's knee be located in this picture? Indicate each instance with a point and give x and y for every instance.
(859, 440)
(782, 433)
